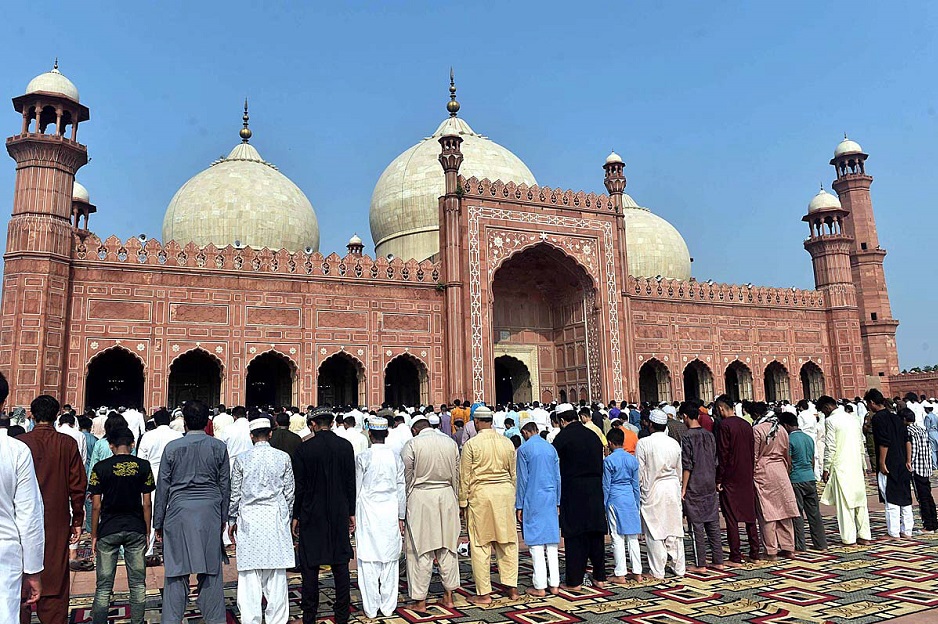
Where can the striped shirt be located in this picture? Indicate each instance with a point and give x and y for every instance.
(921, 453)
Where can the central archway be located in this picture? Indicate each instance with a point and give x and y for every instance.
(406, 382)
(698, 382)
(545, 300)
(654, 382)
(270, 381)
(341, 381)
(512, 381)
(777, 387)
(738, 378)
(115, 378)
(194, 376)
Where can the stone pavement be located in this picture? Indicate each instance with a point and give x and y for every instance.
(888, 580)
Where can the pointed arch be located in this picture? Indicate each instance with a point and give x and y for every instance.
(270, 380)
(777, 384)
(556, 251)
(738, 381)
(115, 377)
(512, 381)
(698, 381)
(812, 381)
(654, 382)
(406, 381)
(195, 375)
(340, 380)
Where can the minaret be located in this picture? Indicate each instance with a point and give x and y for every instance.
(39, 236)
(615, 182)
(355, 246)
(877, 326)
(452, 256)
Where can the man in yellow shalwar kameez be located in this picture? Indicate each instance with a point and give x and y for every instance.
(487, 497)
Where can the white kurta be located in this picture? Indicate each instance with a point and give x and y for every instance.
(381, 503)
(237, 438)
(152, 445)
(843, 459)
(136, 423)
(659, 472)
(262, 491)
(356, 438)
(22, 538)
(398, 437)
(79, 437)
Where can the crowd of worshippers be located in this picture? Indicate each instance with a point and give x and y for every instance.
(290, 490)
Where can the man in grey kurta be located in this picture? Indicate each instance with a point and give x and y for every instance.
(191, 510)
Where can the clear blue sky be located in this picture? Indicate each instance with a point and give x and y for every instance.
(726, 113)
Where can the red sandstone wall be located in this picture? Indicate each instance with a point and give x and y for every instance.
(919, 383)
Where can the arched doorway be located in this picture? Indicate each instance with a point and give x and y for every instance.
(194, 376)
(545, 300)
(777, 387)
(812, 381)
(654, 382)
(738, 378)
(341, 381)
(698, 382)
(269, 381)
(406, 382)
(512, 381)
(115, 378)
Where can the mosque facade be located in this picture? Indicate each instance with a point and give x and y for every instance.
(484, 286)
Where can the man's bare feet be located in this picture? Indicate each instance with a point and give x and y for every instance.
(571, 589)
(638, 578)
(554, 590)
(513, 593)
(696, 569)
(717, 566)
(864, 542)
(599, 584)
(420, 606)
(618, 580)
(447, 599)
(539, 593)
(480, 601)
(734, 564)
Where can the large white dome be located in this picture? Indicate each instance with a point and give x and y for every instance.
(242, 198)
(655, 247)
(405, 203)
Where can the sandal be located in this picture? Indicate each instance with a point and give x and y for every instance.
(81, 565)
(153, 561)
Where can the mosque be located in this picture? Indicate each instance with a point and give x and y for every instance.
(484, 286)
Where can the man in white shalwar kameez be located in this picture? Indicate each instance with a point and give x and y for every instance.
(22, 536)
(660, 471)
(262, 490)
(843, 472)
(381, 505)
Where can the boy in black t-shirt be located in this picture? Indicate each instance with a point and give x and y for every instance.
(120, 487)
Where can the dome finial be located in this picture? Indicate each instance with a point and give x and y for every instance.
(245, 131)
(55, 65)
(452, 106)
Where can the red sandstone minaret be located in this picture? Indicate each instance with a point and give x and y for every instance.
(877, 326)
(830, 248)
(39, 237)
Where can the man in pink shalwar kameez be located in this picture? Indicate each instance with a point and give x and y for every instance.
(775, 498)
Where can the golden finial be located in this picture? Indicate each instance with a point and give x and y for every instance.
(245, 131)
(452, 106)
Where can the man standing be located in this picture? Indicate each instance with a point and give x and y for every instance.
(152, 445)
(582, 514)
(801, 450)
(736, 453)
(191, 511)
(324, 513)
(68, 426)
(487, 494)
(659, 470)
(892, 453)
(399, 435)
(920, 462)
(120, 489)
(237, 436)
(262, 490)
(698, 488)
(281, 438)
(537, 501)
(775, 497)
(349, 430)
(22, 538)
(843, 472)
(431, 475)
(931, 428)
(222, 421)
(621, 498)
(381, 503)
(586, 417)
(61, 476)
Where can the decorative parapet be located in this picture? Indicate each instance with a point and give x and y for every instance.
(543, 196)
(134, 252)
(708, 292)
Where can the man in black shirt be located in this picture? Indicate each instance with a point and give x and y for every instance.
(892, 453)
(120, 487)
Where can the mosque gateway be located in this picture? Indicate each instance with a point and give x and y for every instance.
(484, 286)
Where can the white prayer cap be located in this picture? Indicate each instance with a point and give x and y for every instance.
(658, 417)
(483, 413)
(176, 413)
(417, 419)
(378, 423)
(564, 407)
(102, 411)
(262, 422)
(434, 419)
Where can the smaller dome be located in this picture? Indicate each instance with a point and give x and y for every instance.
(613, 158)
(53, 82)
(355, 240)
(822, 200)
(847, 147)
(80, 193)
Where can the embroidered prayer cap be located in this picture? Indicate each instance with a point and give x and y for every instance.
(434, 419)
(658, 417)
(482, 412)
(378, 423)
(262, 422)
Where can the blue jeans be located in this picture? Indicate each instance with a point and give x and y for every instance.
(135, 545)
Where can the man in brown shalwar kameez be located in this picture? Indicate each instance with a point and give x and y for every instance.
(775, 497)
(62, 482)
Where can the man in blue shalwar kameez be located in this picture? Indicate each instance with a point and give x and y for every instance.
(537, 500)
(621, 498)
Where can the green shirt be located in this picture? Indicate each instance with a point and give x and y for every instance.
(801, 448)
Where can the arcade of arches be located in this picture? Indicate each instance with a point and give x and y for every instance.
(545, 300)
(654, 381)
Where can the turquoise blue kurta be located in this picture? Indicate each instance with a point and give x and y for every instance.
(538, 491)
(621, 491)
